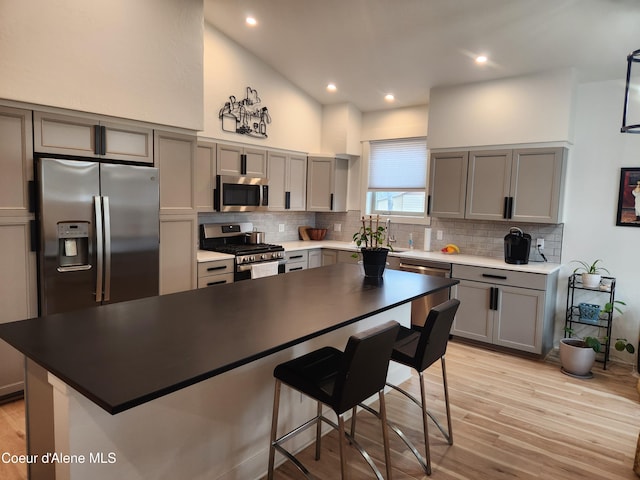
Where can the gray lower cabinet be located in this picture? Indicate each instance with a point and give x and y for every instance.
(329, 257)
(507, 308)
(297, 260)
(315, 258)
(216, 272)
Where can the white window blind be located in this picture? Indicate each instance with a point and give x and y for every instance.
(398, 164)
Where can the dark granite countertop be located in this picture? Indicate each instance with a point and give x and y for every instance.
(125, 354)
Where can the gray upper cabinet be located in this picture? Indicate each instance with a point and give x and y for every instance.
(522, 185)
(537, 180)
(287, 175)
(327, 183)
(91, 137)
(16, 161)
(448, 184)
(488, 184)
(205, 175)
(240, 161)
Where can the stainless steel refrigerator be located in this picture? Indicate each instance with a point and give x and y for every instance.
(98, 233)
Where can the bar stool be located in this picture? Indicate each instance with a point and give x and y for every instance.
(420, 350)
(340, 380)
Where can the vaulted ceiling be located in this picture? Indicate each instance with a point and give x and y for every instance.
(369, 48)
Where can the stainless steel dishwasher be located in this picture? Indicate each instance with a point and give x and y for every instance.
(420, 307)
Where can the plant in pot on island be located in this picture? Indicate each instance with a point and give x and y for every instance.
(374, 252)
(591, 273)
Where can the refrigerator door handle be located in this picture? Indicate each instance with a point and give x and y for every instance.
(107, 249)
(97, 204)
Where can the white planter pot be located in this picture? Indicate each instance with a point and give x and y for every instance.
(576, 358)
(591, 280)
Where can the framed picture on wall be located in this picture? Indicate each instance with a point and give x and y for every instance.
(629, 198)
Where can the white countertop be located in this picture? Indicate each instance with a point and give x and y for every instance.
(460, 259)
(206, 256)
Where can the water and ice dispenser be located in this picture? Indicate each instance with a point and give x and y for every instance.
(73, 246)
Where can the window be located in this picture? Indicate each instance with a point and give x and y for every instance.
(397, 177)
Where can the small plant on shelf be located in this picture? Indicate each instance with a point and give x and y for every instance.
(591, 272)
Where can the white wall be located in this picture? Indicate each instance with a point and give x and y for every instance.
(593, 178)
(296, 119)
(528, 109)
(397, 123)
(341, 126)
(140, 60)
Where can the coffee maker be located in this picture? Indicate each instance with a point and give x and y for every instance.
(516, 246)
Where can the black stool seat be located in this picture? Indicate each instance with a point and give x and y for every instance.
(340, 380)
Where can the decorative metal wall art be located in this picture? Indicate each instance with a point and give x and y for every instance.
(246, 117)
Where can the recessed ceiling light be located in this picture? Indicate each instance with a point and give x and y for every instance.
(332, 87)
(481, 59)
(251, 21)
(389, 97)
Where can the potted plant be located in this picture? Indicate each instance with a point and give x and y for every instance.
(374, 252)
(577, 355)
(591, 273)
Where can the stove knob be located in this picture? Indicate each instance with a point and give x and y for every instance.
(263, 256)
(274, 255)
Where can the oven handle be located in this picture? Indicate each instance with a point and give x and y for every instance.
(247, 267)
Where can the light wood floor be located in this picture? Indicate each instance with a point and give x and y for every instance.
(513, 418)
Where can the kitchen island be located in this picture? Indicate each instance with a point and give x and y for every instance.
(180, 386)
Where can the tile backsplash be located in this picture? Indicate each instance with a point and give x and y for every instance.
(474, 237)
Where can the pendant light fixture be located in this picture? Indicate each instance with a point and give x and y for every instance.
(631, 113)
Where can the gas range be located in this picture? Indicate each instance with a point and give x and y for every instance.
(233, 239)
(251, 253)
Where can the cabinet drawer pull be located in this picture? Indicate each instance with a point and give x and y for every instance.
(498, 277)
(295, 268)
(216, 283)
(211, 269)
(295, 256)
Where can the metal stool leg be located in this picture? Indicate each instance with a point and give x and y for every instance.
(353, 422)
(343, 449)
(318, 430)
(425, 424)
(446, 401)
(274, 429)
(385, 433)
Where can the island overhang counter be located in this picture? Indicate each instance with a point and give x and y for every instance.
(195, 365)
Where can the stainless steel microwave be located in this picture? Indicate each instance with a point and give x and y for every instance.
(240, 194)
